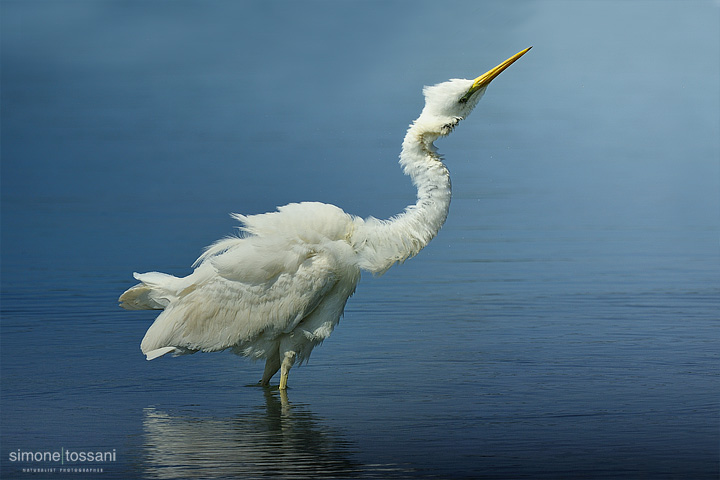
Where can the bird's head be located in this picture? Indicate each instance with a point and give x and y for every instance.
(449, 102)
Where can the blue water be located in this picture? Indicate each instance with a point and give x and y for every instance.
(564, 324)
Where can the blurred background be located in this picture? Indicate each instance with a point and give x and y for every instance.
(564, 323)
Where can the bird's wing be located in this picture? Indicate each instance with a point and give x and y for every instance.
(252, 288)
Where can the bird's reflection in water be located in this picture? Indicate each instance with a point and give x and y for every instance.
(277, 440)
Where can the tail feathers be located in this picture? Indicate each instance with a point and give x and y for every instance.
(151, 294)
(140, 297)
(159, 352)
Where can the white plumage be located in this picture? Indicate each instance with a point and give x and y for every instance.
(279, 289)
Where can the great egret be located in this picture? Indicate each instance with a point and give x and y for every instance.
(279, 290)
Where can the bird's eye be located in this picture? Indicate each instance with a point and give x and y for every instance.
(465, 97)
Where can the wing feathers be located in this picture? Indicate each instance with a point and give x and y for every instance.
(255, 287)
(225, 312)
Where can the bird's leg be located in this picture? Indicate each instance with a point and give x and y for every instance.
(272, 365)
(287, 364)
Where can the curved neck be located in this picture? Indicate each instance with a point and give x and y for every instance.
(382, 243)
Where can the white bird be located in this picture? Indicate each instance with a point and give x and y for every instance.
(279, 289)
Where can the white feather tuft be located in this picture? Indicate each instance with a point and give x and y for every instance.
(152, 355)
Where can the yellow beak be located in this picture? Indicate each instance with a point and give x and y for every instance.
(488, 76)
